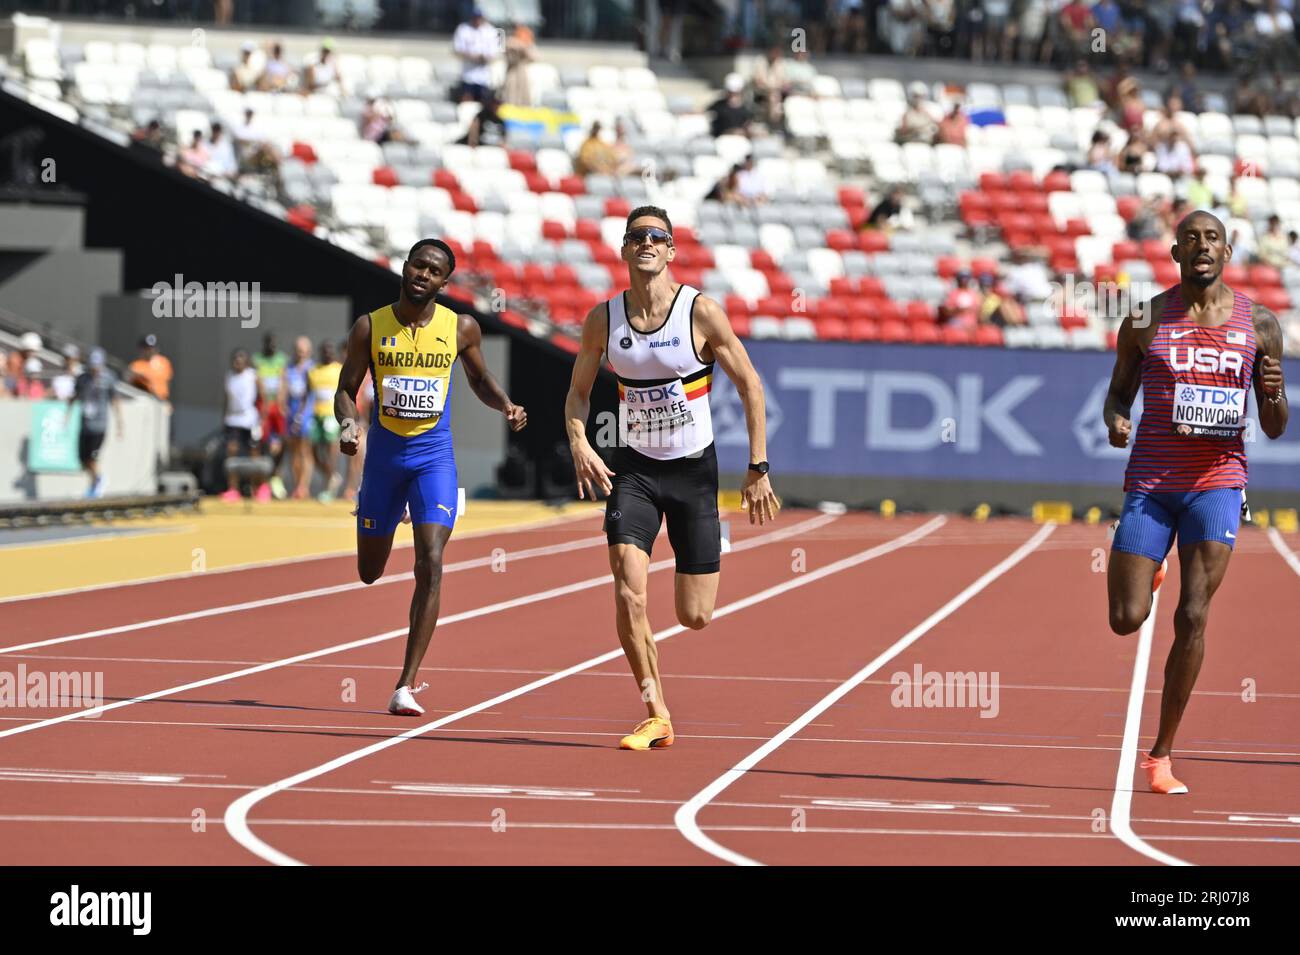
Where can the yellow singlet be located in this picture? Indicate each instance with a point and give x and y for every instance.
(412, 369)
(322, 382)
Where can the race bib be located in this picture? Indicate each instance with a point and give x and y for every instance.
(659, 410)
(413, 397)
(1207, 411)
(324, 394)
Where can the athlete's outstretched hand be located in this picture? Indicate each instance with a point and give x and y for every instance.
(349, 437)
(516, 416)
(1120, 429)
(591, 472)
(758, 498)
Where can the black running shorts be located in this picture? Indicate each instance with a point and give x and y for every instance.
(683, 490)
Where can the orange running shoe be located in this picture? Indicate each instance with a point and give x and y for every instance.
(1160, 776)
(654, 733)
(1160, 575)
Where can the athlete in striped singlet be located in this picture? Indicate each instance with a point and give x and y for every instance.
(1196, 349)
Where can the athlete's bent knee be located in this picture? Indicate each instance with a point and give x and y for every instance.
(369, 575)
(428, 570)
(1190, 619)
(694, 619)
(1125, 618)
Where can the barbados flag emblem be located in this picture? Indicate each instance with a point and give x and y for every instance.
(367, 523)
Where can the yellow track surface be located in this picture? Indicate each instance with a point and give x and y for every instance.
(223, 535)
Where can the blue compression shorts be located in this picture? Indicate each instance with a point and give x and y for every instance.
(1151, 520)
(419, 471)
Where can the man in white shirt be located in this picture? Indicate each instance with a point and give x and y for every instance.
(222, 162)
(477, 43)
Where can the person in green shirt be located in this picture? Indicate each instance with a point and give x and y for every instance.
(270, 363)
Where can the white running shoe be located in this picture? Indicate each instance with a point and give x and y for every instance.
(403, 702)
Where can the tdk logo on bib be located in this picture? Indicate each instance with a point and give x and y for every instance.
(1204, 359)
(648, 395)
(412, 397)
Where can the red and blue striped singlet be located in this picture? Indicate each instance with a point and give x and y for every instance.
(1195, 383)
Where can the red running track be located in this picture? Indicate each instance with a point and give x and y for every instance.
(536, 777)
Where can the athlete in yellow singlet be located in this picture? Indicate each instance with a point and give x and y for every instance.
(409, 348)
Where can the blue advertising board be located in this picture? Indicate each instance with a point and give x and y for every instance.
(949, 413)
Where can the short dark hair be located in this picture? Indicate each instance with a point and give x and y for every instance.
(655, 211)
(438, 244)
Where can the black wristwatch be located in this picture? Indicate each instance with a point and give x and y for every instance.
(759, 468)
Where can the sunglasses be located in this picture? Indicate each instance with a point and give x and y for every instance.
(637, 236)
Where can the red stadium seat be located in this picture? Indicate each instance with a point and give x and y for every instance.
(740, 325)
(304, 152)
(536, 182)
(1056, 182)
(534, 272)
(841, 240)
(736, 305)
(863, 330)
(870, 240)
(303, 216)
(852, 197)
(774, 305)
(857, 218)
(920, 313)
(1072, 318)
(1105, 272)
(1154, 250)
(483, 252)
(1166, 273)
(1125, 249)
(521, 160)
(1235, 274)
(762, 260)
(887, 310)
(463, 201)
(988, 335)
(685, 235)
(1004, 200)
(618, 207)
(573, 186)
(446, 179)
(957, 335)
(832, 329)
(991, 181)
(384, 176)
(893, 332)
(513, 318)
(947, 266)
(1022, 180)
(843, 287)
(871, 287)
(834, 308)
(587, 229)
(973, 199)
(1278, 299)
(925, 334)
(779, 283)
(1077, 227)
(602, 253)
(1265, 276)
(1128, 206)
(554, 231)
(1035, 202)
(983, 266)
(691, 277)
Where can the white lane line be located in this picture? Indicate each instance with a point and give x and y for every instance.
(237, 812)
(1121, 804)
(484, 561)
(685, 817)
(810, 524)
(1287, 553)
(279, 561)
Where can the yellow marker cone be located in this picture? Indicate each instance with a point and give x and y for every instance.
(887, 508)
(1053, 512)
(1259, 519)
(981, 512)
(1285, 520)
(1093, 516)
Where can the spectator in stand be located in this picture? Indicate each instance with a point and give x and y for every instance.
(852, 26)
(918, 124)
(29, 383)
(376, 120)
(961, 307)
(297, 412)
(1276, 31)
(889, 213)
(1136, 156)
(193, 159)
(487, 128)
(270, 364)
(952, 128)
(1075, 26)
(1081, 85)
(595, 157)
(1155, 20)
(1000, 306)
(731, 115)
(753, 190)
(255, 152)
(478, 45)
(664, 17)
(1228, 23)
(96, 391)
(151, 371)
(1036, 40)
(1293, 248)
(996, 33)
(801, 74)
(1174, 156)
(1125, 98)
(151, 135)
(244, 74)
(623, 153)
(1169, 121)
(905, 26)
(727, 189)
(1106, 16)
(1199, 194)
(1273, 248)
(1100, 156)
(4, 376)
(277, 76)
(17, 376)
(63, 387)
(242, 423)
(1185, 88)
(521, 49)
(222, 162)
(771, 86)
(940, 27)
(323, 76)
